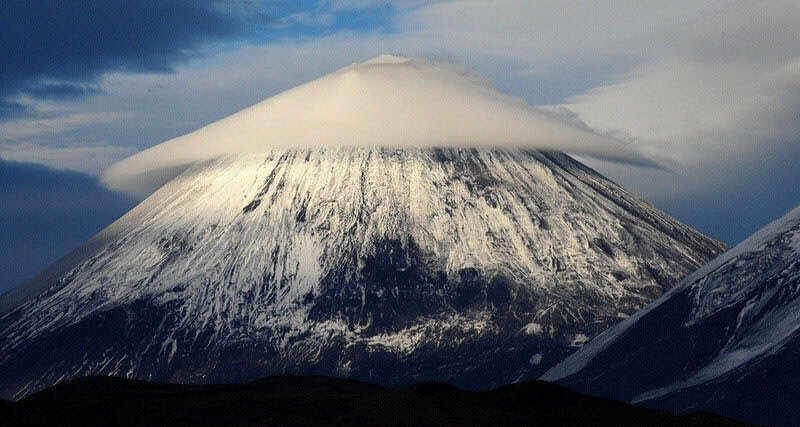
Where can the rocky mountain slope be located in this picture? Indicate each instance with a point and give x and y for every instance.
(727, 339)
(473, 266)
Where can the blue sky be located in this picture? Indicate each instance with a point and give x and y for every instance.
(710, 88)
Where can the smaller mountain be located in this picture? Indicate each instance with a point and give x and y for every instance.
(726, 339)
(291, 400)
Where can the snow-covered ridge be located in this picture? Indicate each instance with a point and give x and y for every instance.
(725, 339)
(723, 282)
(386, 102)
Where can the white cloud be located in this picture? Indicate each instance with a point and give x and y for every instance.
(727, 91)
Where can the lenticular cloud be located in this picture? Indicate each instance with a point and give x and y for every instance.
(387, 101)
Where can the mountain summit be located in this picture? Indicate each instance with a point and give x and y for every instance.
(477, 266)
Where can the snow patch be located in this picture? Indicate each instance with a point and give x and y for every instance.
(578, 340)
(173, 348)
(533, 328)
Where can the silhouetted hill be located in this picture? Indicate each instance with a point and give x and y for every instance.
(292, 400)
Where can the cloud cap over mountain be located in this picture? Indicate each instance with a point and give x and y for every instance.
(387, 101)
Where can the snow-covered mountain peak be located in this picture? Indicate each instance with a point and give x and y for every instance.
(386, 102)
(475, 266)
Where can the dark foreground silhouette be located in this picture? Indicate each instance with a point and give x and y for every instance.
(292, 400)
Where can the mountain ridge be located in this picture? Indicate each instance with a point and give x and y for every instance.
(726, 339)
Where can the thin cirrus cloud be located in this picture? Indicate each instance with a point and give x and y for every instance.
(388, 101)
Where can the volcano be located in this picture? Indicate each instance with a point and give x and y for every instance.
(478, 266)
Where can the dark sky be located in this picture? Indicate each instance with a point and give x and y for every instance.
(53, 49)
(46, 213)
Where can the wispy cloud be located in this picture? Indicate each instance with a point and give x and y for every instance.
(21, 128)
(88, 159)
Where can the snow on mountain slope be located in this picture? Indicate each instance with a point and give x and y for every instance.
(473, 266)
(730, 331)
